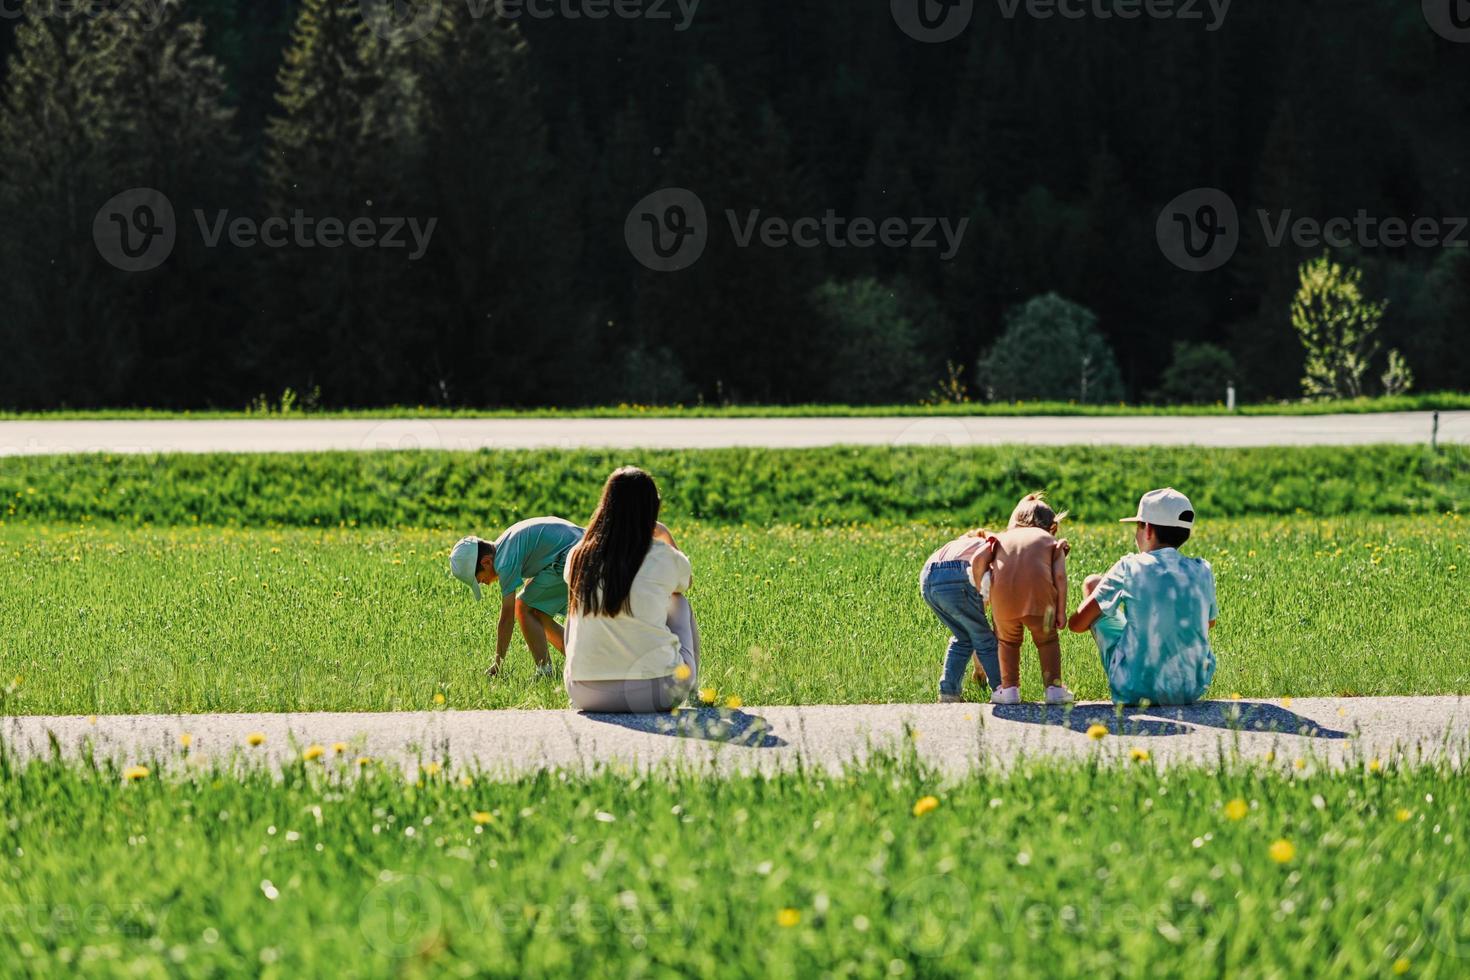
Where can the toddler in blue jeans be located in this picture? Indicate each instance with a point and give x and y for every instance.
(950, 584)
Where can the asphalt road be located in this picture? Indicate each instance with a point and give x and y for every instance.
(308, 435)
(1323, 732)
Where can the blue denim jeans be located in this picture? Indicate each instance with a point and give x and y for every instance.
(947, 588)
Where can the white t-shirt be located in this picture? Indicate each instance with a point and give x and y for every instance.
(636, 645)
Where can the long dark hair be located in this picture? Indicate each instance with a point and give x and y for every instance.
(615, 544)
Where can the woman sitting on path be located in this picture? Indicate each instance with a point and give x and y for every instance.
(632, 643)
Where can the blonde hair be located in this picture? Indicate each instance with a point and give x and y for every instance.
(1034, 511)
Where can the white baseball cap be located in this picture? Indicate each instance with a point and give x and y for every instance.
(464, 562)
(1164, 508)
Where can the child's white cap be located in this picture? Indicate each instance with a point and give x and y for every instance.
(1164, 508)
(464, 562)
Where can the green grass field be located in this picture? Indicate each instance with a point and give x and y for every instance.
(114, 620)
(884, 871)
(1439, 401)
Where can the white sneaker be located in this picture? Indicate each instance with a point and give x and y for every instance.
(1005, 695)
(1058, 694)
(951, 698)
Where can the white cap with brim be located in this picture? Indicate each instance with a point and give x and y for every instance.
(464, 562)
(1164, 508)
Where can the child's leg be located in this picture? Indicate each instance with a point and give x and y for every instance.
(1048, 649)
(982, 639)
(945, 604)
(1008, 637)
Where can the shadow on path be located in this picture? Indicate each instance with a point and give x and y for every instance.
(1247, 716)
(1242, 716)
(1082, 717)
(709, 724)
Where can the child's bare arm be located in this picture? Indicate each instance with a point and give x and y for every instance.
(980, 564)
(1059, 579)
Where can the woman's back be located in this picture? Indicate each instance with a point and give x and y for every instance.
(635, 644)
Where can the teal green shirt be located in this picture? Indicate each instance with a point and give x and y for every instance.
(1154, 634)
(533, 547)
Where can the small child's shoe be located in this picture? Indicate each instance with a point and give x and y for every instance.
(1058, 694)
(951, 698)
(1005, 695)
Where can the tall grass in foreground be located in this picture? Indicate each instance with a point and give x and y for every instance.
(1054, 870)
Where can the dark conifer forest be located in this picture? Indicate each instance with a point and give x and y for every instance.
(450, 202)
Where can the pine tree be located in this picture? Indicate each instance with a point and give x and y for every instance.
(345, 146)
(98, 102)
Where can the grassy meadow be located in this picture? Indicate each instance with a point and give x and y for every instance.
(882, 872)
(108, 620)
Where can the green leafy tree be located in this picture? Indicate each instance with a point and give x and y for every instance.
(1198, 375)
(870, 345)
(1051, 350)
(1338, 328)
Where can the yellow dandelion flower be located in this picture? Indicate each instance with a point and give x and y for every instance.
(1286, 702)
(1299, 763)
(1403, 816)
(339, 748)
(1269, 756)
(707, 695)
(1374, 765)
(733, 701)
(364, 760)
(788, 917)
(91, 719)
(430, 768)
(682, 672)
(255, 738)
(1138, 755)
(1400, 966)
(186, 740)
(1236, 809)
(312, 753)
(1235, 695)
(134, 773)
(1096, 732)
(1282, 851)
(926, 804)
(481, 817)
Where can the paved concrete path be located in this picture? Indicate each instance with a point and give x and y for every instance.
(309, 435)
(1326, 732)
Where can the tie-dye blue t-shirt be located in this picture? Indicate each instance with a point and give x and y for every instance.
(1154, 634)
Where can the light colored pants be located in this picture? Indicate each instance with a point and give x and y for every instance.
(652, 694)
